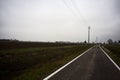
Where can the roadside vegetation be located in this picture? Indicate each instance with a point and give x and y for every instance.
(33, 61)
(113, 51)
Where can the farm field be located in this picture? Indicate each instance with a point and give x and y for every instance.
(34, 60)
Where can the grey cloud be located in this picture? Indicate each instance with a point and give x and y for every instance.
(52, 20)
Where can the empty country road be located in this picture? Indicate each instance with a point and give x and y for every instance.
(93, 65)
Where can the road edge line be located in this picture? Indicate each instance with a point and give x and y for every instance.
(55, 72)
(110, 59)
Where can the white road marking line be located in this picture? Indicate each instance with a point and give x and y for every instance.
(110, 59)
(48, 77)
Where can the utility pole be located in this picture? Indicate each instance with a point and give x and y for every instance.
(88, 34)
(96, 40)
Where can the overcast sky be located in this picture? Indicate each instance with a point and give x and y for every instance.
(59, 20)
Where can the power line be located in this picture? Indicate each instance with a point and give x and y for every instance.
(78, 11)
(73, 4)
(70, 9)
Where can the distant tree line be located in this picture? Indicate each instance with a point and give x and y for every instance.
(8, 40)
(110, 41)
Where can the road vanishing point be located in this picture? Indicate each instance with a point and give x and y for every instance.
(94, 64)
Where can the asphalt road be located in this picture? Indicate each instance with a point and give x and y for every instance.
(93, 65)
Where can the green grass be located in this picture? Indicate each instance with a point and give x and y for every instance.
(36, 63)
(114, 52)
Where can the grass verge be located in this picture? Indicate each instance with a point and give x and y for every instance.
(114, 52)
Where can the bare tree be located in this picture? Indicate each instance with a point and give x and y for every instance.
(110, 41)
